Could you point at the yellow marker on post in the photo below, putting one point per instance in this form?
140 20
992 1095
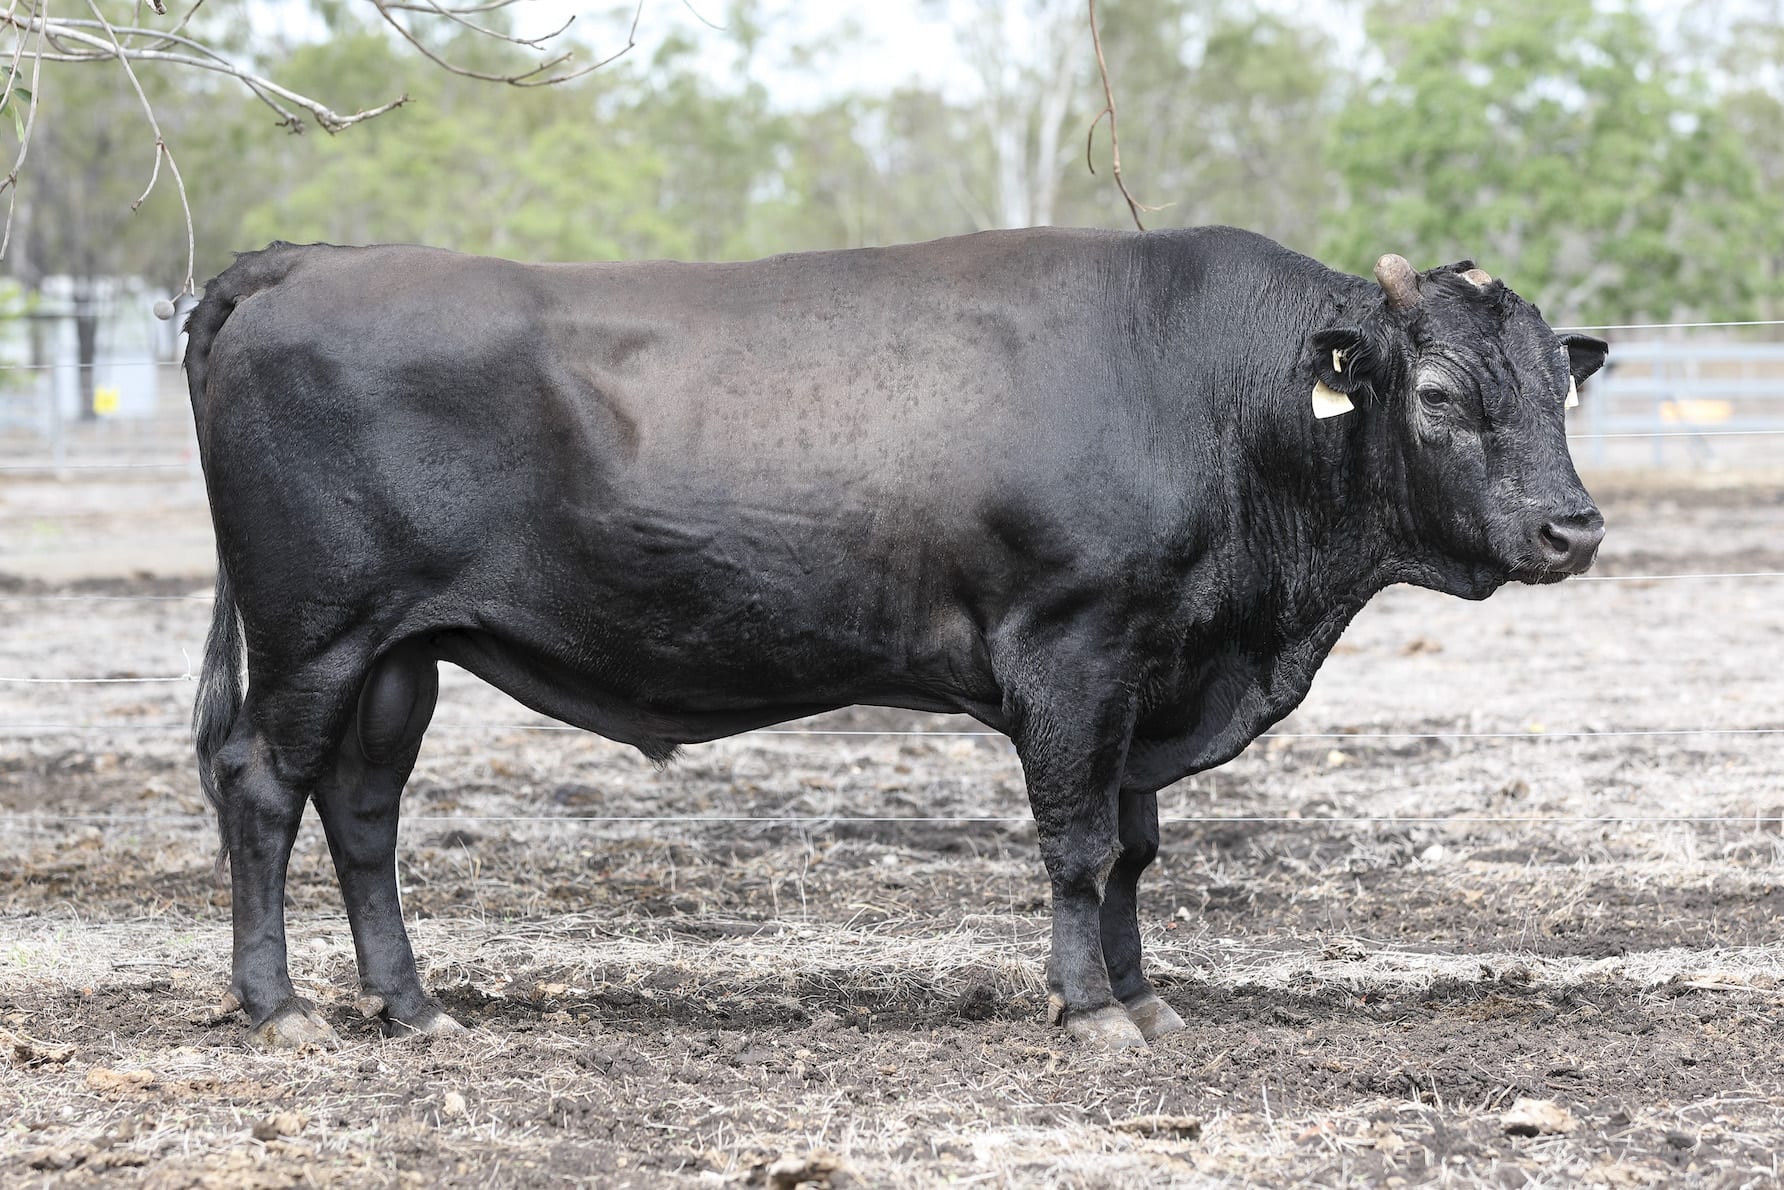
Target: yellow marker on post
106 399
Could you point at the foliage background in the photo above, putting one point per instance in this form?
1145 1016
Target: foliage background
1612 168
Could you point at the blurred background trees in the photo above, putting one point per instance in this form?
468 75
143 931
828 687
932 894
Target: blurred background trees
1615 162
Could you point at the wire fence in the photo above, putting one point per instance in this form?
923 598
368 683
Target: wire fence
207 597
189 464
1763 822
170 725
1686 434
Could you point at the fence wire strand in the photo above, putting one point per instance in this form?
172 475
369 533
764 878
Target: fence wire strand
1670 326
95 681
53 466
893 733
205 597
1757 821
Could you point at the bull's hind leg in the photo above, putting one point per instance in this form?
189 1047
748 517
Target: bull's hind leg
1121 918
359 808
275 754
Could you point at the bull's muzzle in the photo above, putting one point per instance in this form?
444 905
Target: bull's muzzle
1568 544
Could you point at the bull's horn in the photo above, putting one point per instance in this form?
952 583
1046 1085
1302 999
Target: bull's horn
1479 278
1399 279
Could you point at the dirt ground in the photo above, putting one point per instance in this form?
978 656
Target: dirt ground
1381 945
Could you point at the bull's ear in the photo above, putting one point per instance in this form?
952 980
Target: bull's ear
1344 358
1585 355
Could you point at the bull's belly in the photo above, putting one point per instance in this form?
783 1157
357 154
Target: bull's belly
668 654
682 700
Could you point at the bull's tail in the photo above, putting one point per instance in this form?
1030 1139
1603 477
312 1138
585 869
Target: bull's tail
220 687
219 699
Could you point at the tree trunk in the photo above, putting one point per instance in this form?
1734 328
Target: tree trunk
86 339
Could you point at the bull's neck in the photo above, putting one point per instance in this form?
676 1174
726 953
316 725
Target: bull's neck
1308 507
1316 544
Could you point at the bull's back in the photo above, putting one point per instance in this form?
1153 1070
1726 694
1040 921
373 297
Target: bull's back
849 364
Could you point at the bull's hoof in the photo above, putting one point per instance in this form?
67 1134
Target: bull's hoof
294 1025
1106 1028
432 1023
1152 1016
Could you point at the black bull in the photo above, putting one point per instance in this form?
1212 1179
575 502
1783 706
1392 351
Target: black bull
1102 492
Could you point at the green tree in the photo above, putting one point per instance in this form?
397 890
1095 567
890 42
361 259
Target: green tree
76 215
1226 112
652 159
1556 142
1745 55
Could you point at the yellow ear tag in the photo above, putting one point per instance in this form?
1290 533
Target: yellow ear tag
1573 394
1328 401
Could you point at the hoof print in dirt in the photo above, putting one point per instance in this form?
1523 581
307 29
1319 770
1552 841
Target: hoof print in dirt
294 1026
438 1024
28 1051
979 1002
103 1078
1538 1117
1180 1127
818 1169
285 1123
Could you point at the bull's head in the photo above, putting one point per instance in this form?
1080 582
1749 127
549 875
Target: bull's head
1461 388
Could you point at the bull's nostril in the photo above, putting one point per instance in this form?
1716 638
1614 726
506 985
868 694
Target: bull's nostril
1556 541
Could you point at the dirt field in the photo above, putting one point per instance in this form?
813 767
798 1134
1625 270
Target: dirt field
1380 945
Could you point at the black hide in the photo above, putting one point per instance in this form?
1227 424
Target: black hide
1068 483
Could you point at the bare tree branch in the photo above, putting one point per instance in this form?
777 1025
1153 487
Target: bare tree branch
11 182
99 39
75 44
12 76
161 149
543 74
1134 206
457 18
456 9
689 5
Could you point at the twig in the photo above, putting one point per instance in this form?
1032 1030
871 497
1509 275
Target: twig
172 37
457 18
1133 205
161 149
12 74
11 182
543 74
459 9
689 5
180 24
98 49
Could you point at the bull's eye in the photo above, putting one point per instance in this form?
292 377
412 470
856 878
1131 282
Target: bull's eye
1435 399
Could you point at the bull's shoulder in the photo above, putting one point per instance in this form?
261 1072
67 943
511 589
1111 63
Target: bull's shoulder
1223 258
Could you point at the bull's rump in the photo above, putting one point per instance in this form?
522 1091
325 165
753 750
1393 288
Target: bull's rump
809 480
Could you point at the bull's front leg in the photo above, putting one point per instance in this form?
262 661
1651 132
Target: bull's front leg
1072 758
1121 918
